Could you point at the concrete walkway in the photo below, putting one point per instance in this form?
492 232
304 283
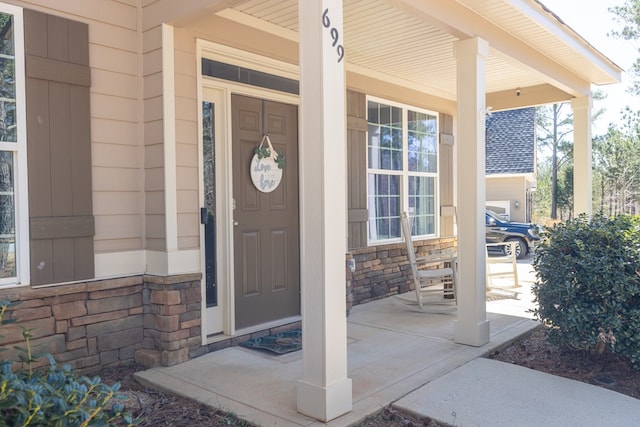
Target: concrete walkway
489 393
401 357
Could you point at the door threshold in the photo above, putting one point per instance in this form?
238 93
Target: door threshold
267 325
214 338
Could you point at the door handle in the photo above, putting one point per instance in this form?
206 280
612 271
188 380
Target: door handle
203 215
235 223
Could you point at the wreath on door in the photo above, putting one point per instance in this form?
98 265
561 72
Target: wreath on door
266 166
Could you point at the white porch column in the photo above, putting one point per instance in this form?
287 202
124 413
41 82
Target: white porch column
472 326
324 391
582 160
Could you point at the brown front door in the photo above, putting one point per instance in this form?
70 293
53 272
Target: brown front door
266 235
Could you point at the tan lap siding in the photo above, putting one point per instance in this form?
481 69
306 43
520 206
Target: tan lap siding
155 229
187 184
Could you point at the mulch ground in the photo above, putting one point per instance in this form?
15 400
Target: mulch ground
608 370
533 351
154 409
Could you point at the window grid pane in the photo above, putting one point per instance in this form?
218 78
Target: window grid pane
422 205
7 216
384 206
422 142
8 131
385 137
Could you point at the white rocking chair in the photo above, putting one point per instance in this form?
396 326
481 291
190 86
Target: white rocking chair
502 270
434 278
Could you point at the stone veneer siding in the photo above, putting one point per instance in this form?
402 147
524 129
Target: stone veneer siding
86 325
152 320
172 320
384 270
90 325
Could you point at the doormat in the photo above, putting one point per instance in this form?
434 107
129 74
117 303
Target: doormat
280 343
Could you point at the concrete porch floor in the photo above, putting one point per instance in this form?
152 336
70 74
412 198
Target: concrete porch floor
392 351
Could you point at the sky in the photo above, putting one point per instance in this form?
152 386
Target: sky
592 20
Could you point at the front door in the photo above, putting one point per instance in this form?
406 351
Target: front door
266 226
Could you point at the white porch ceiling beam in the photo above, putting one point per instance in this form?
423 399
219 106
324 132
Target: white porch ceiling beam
529 96
166 11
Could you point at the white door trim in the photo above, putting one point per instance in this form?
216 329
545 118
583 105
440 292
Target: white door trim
224 168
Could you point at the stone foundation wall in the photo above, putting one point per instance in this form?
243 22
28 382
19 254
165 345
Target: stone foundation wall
172 320
384 270
86 325
149 319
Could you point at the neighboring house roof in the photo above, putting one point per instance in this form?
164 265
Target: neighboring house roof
511 142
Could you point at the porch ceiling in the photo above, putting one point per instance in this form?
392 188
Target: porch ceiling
410 43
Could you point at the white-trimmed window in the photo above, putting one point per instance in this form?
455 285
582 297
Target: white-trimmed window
402 170
13 177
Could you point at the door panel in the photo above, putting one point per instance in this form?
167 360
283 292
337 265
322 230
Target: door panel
251 262
278 259
266 225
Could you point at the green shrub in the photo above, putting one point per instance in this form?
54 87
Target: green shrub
588 283
54 396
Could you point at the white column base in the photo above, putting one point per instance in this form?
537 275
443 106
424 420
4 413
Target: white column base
324 403
469 334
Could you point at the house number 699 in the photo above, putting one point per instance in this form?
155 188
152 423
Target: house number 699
335 36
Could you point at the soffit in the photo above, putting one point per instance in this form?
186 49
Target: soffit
388 39
533 23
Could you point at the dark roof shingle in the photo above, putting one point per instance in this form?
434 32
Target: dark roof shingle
510 142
